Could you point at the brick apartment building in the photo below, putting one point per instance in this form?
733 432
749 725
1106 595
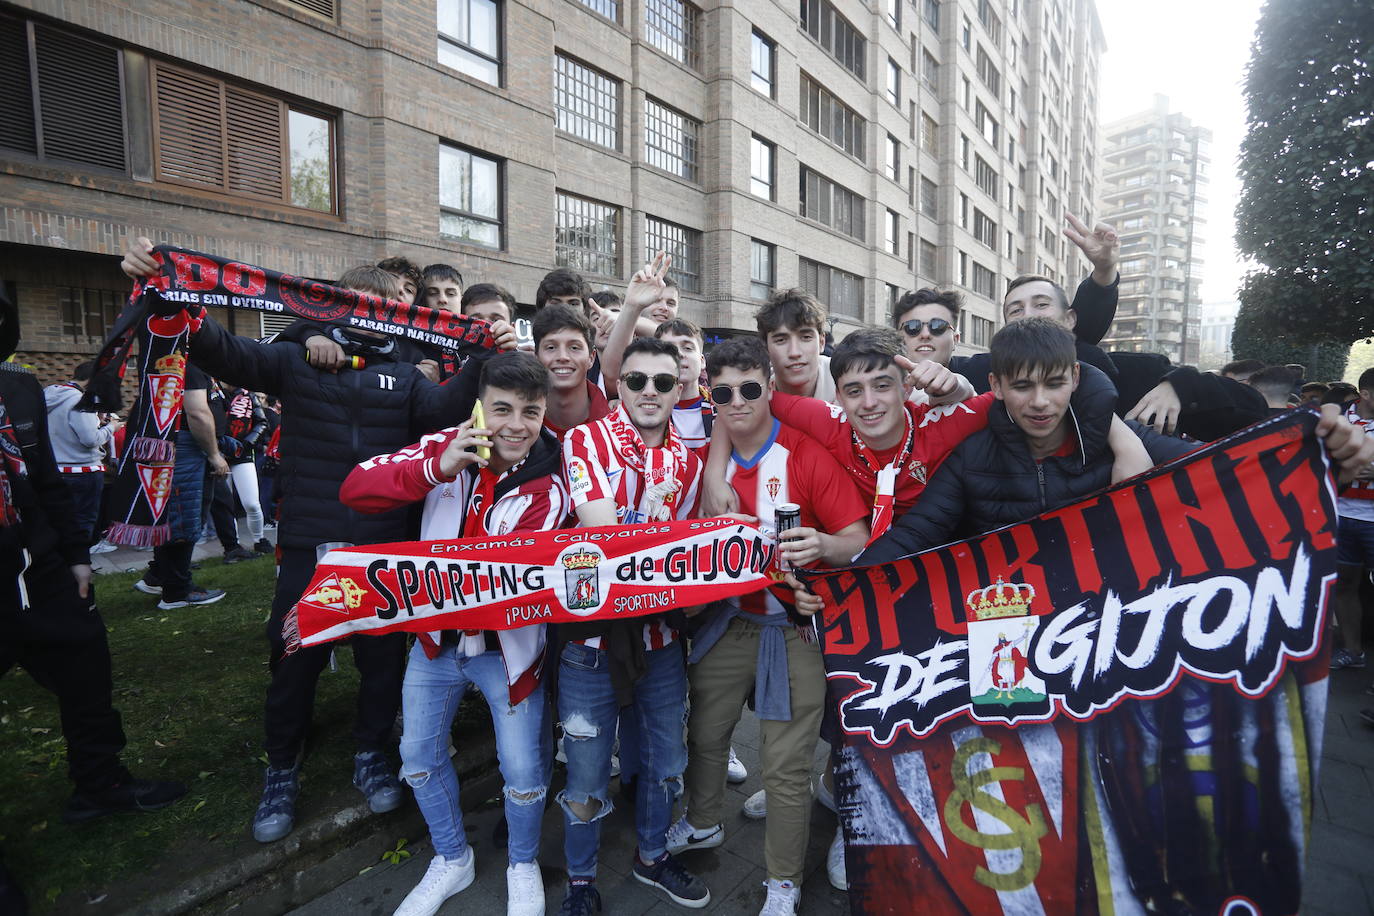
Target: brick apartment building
854 148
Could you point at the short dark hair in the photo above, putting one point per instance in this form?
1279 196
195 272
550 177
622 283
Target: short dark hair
865 350
403 267
928 296
681 327
1032 344
742 353
669 281
84 371
1039 278
1242 367
559 317
1366 380
1315 386
485 292
369 278
1339 393
515 370
607 298
1274 381
440 272
561 281
790 308
651 346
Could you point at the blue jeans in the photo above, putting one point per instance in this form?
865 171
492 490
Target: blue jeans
429 700
588 711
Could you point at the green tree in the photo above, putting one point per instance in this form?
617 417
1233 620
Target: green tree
1262 331
1307 172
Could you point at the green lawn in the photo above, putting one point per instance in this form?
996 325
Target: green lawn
190 685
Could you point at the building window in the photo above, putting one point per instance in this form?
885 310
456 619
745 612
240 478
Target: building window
762 273
964 149
214 135
930 199
831 118
930 134
88 314
894 83
892 12
986 177
984 229
469 197
987 124
682 243
587 236
963 210
891 233
608 8
831 204
892 159
674 27
984 281
979 331
762 54
911 251
833 32
928 258
469 39
670 140
930 11
839 290
761 168
930 70
586 102
988 72
62 97
966 35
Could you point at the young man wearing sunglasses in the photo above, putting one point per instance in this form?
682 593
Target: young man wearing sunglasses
753 644
627 468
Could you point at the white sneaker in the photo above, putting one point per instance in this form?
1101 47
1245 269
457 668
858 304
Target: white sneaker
735 771
834 862
444 878
756 806
782 898
824 796
682 836
104 547
524 890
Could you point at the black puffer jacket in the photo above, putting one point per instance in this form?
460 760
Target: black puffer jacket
991 480
45 540
330 422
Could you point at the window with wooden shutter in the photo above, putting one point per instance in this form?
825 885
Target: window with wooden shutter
239 142
325 9
74 110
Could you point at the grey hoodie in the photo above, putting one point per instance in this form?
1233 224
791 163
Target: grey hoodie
77 437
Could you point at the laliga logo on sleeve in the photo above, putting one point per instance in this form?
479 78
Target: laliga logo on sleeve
581 593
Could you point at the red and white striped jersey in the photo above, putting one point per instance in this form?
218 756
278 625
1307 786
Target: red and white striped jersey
598 465
692 419
792 468
1357 500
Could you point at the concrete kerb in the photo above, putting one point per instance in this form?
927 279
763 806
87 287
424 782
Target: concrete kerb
319 855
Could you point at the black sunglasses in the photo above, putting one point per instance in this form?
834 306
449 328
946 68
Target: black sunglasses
724 394
635 381
937 326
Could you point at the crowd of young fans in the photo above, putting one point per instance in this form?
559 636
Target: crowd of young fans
617 414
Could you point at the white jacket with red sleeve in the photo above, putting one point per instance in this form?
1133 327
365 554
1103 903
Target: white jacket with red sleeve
529 497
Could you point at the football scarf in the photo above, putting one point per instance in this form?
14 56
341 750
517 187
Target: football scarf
11 463
165 310
659 468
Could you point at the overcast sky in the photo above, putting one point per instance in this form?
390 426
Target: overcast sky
1195 52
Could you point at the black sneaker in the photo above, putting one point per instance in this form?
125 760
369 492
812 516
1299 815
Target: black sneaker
582 899
668 875
196 595
239 553
129 795
264 546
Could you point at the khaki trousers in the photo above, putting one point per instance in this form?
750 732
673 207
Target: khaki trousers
720 684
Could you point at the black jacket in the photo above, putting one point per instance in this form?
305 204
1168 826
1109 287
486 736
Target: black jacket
332 421
990 480
45 540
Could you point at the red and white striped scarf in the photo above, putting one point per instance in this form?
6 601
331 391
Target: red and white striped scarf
660 468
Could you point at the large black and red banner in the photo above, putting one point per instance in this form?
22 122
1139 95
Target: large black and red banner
1116 707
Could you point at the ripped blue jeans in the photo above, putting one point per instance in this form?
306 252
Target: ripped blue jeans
587 711
430 696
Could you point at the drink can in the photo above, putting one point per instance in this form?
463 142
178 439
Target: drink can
786 517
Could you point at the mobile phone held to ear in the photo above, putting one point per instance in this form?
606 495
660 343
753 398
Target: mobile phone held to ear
479 421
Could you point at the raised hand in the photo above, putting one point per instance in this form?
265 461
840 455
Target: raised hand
1101 246
504 333
929 376
456 456
647 284
138 260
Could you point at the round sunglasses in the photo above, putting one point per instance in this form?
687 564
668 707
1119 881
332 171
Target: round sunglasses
635 381
724 394
937 326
